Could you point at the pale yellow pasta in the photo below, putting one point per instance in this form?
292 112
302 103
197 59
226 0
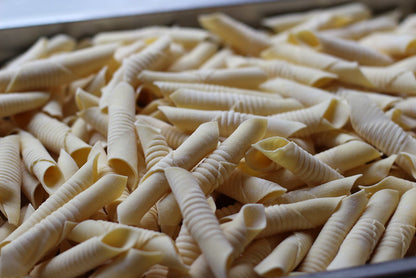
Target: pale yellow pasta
347 71
55 136
282 176
107 90
301 215
392 43
154 185
87 255
95 118
279 68
149 58
35 52
236 34
217 60
21 254
10 178
407 106
286 256
343 48
228 121
187 98
404 121
80 181
302 164
328 115
54 106
55 71
125 51
60 43
32 188
334 188
67 164
98 82
332 138
14 103
204 228
81 129
326 245
187 247
248 189
405 64
85 100
382 100
196 57
121 133
363 237
399 231
390 182
39 162
157 271
249 78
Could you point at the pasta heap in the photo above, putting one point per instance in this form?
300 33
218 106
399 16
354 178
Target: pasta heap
219 152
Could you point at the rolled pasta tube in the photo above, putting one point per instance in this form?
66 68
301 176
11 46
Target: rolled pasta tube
56 136
122 133
217 61
85 100
154 185
80 130
55 71
286 256
334 188
306 95
248 189
328 115
347 71
67 165
10 178
60 43
399 231
149 58
32 188
404 121
348 155
95 118
20 255
346 49
407 106
196 57
39 163
405 64
249 78
239 36
35 52
362 239
217 166
80 181
108 89
390 182
87 255
125 51
382 100
187 98
14 103
302 164
298 216
228 121
330 238
174 136
153 143
205 228
279 68
392 43
333 138
187 247
130 264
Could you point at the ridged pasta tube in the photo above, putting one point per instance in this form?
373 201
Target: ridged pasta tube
394 44
32 188
67 165
85 100
390 182
362 239
217 60
97 119
196 57
14 103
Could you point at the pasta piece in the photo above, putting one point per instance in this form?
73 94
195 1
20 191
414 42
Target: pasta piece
228 121
97 119
153 106
85 100
383 101
80 181
107 90
20 255
217 61
346 49
286 256
55 71
249 78
333 138
407 106
10 178
363 237
81 130
15 103
390 182
280 68
399 232
349 155
405 122
248 189
157 271
226 101
347 71
328 115
187 247
194 58
39 163
149 58
391 43
54 106
55 136
125 51
205 228
154 185
121 133
302 164
330 238
35 52
60 43
98 82
239 36
67 165
32 188
297 216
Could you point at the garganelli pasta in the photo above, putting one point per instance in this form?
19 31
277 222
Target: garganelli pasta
225 151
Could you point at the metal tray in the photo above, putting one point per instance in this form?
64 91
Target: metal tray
16 36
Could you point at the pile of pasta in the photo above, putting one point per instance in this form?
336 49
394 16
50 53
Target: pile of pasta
226 151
